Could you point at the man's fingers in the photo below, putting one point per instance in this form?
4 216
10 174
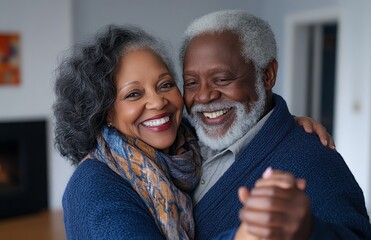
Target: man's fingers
262 232
281 183
243 194
276 178
271 192
267 203
301 184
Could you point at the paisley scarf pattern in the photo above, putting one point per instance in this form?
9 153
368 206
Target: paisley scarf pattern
161 180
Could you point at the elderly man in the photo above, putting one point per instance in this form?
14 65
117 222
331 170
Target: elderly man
229 70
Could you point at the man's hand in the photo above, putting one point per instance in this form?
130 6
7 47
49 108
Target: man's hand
277 207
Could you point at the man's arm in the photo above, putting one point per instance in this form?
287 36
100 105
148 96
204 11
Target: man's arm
278 208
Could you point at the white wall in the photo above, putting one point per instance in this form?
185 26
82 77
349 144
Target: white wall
353 90
353 109
45 30
166 18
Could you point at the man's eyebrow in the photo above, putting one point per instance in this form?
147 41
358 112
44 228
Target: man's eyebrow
211 71
219 70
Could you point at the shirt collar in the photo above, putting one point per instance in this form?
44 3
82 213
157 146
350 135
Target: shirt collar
236 147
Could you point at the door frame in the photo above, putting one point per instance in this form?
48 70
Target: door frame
294 89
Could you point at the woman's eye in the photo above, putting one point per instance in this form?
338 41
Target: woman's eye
132 95
167 85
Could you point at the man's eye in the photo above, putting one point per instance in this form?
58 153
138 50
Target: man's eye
222 81
190 83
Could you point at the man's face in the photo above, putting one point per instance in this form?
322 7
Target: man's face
220 90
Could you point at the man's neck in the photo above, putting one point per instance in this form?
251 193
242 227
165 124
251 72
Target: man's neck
269 105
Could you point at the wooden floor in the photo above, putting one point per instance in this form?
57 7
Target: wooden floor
41 226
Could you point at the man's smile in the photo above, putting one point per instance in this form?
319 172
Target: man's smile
215 114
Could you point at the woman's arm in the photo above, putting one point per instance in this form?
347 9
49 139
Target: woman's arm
99 204
312 126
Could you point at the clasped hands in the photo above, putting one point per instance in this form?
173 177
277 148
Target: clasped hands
276 208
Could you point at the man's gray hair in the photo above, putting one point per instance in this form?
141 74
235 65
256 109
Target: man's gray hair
256 36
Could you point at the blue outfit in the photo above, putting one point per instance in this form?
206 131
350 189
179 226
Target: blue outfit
100 204
141 194
338 206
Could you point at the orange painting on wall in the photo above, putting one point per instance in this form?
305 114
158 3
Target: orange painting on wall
9 59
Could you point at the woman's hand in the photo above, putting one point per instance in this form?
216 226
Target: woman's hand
276 208
243 233
312 126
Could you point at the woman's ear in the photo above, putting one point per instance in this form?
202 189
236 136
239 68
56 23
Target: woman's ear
270 74
109 118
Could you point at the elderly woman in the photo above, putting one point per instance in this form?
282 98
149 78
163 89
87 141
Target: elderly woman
119 118
117 112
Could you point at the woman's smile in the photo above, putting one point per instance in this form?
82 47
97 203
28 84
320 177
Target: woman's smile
159 123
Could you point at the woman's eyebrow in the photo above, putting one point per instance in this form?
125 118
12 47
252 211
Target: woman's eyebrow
164 75
127 84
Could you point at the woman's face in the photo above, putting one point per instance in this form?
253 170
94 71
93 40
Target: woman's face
148 103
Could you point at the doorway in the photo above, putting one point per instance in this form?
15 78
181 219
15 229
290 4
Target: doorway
311 66
320 74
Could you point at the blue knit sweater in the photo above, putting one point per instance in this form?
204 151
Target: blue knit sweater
99 204
338 206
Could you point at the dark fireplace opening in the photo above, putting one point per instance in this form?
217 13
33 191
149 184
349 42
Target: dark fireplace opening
9 167
23 168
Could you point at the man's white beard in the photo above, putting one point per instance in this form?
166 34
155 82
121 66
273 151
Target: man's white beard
244 121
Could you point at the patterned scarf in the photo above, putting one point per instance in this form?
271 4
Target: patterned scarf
160 179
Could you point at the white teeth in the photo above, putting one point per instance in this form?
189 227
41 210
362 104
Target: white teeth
156 122
215 114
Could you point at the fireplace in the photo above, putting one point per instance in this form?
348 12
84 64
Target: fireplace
23 168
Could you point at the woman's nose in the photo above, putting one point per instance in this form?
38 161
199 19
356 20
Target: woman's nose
156 101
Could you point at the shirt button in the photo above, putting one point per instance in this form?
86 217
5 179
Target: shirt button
202 181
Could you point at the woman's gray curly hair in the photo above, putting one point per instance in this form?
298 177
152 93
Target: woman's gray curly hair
256 36
85 86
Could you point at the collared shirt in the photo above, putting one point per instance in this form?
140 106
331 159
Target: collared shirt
218 162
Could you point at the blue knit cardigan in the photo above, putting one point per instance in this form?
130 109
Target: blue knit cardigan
338 206
99 204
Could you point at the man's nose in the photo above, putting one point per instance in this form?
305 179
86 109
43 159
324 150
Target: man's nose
156 101
206 94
